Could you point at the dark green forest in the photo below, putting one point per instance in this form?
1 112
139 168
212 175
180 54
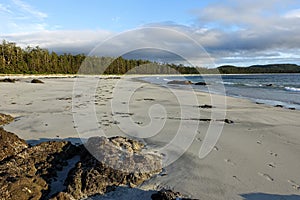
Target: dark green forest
35 60
270 68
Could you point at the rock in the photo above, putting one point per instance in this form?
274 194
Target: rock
206 106
5 119
8 80
106 163
10 144
200 83
127 144
27 174
228 121
167 195
178 82
123 154
22 188
36 81
63 196
149 99
269 85
110 162
279 106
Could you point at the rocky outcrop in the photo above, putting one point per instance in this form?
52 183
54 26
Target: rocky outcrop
200 83
26 172
179 82
63 196
26 175
206 106
110 162
167 195
8 80
36 81
10 144
5 119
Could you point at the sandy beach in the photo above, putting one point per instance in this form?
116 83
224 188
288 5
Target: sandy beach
255 158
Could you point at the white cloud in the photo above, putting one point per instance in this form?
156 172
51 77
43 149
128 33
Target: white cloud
293 14
17 16
28 9
241 48
237 30
61 41
5 9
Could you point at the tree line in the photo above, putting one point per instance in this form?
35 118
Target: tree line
35 60
259 69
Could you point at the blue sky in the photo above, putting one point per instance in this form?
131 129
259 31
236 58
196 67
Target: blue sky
231 31
109 15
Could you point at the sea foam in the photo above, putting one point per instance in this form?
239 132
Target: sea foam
293 89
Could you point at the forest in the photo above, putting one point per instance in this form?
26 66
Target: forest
35 60
258 69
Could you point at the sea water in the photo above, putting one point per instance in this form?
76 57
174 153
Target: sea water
272 89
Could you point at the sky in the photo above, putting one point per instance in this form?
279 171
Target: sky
231 32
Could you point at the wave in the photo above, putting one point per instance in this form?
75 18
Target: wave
250 85
241 84
227 83
293 89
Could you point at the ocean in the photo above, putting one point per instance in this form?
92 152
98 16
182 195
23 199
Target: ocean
271 89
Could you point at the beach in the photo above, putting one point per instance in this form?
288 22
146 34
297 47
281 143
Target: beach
256 155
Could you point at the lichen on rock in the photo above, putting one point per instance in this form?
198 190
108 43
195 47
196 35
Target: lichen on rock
108 163
5 119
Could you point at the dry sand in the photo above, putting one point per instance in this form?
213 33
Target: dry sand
256 157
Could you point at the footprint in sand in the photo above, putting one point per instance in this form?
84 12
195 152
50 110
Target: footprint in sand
294 184
273 154
258 142
229 161
272 165
236 178
198 139
266 176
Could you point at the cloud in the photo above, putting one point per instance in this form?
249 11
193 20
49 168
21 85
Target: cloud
293 14
28 9
155 43
61 41
5 9
17 16
242 14
182 44
238 30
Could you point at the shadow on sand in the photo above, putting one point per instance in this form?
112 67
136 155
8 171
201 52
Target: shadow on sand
264 196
